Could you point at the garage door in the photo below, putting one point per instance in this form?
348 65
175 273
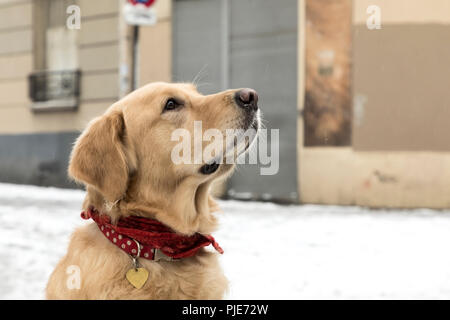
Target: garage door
246 43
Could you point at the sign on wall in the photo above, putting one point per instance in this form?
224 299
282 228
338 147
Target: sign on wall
140 12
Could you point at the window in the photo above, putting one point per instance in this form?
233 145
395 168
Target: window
55 83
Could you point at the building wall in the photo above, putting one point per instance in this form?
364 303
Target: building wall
98 50
16 58
399 155
155 46
401 75
35 146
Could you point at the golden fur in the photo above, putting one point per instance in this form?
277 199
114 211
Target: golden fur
123 158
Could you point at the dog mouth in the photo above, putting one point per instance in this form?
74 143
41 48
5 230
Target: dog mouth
244 128
253 126
256 122
246 135
235 145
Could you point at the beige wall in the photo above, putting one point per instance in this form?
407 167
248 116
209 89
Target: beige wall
103 45
155 47
404 11
15 56
401 88
387 178
400 76
98 57
376 179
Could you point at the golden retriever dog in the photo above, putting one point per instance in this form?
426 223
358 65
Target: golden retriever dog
124 158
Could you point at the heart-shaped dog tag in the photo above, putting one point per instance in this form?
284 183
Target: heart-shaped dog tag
137 277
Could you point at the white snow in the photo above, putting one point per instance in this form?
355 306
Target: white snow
271 251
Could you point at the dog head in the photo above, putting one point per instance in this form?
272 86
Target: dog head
158 149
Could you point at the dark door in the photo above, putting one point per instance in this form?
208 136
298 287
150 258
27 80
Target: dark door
246 43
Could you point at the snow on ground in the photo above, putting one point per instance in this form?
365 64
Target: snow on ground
271 251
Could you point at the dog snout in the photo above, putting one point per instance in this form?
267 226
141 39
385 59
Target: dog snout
247 99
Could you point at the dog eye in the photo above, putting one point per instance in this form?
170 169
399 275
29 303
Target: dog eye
209 168
171 104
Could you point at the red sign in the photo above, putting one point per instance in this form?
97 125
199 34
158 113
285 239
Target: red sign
146 3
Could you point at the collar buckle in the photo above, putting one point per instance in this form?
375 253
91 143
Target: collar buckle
158 255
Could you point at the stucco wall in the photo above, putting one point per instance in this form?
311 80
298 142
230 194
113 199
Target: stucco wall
400 157
98 56
34 147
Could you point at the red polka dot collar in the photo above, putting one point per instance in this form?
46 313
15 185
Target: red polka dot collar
156 240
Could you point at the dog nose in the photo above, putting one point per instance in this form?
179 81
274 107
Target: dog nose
247 99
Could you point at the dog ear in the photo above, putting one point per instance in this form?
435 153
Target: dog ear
99 159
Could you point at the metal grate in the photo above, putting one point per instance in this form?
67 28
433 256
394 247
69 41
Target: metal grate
51 86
